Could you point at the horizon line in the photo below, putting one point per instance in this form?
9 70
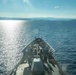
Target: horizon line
38 17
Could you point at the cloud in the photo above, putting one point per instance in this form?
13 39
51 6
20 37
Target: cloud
56 7
28 2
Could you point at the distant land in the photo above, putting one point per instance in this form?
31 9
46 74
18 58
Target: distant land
39 18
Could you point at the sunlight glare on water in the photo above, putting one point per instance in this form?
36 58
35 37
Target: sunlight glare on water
10 25
9 41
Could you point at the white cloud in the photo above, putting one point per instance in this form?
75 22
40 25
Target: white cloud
56 7
28 2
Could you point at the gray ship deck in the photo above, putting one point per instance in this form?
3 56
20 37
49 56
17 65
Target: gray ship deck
22 68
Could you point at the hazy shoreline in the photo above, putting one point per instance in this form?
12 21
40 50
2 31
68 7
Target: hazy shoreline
40 18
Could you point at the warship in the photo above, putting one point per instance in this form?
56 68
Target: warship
38 59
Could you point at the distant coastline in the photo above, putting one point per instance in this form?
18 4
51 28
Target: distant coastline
39 18
8 18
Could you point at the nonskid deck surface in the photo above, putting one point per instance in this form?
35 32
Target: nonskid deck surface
38 49
24 69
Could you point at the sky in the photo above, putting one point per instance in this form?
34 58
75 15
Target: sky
38 8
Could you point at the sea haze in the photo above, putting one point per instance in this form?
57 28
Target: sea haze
15 35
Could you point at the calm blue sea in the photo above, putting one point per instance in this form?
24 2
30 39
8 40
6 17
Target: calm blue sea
16 34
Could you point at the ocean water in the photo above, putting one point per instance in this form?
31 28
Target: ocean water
16 34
